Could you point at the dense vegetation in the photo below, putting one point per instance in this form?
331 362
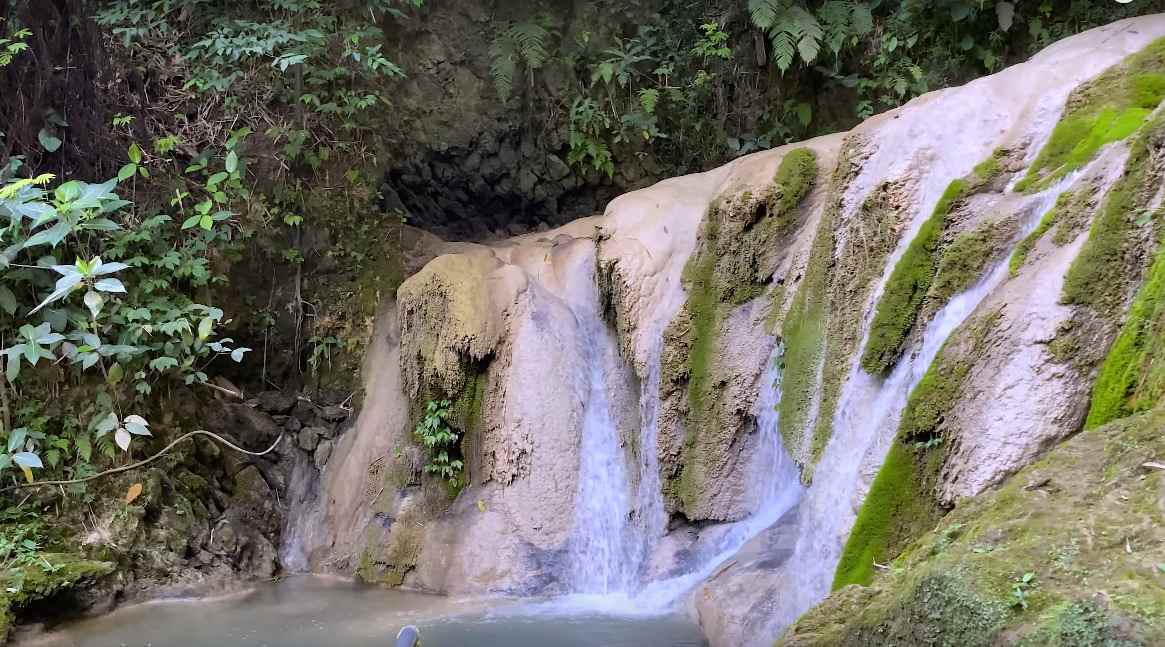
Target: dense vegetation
168 166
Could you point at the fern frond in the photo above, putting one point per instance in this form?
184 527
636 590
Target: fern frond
784 50
766 14
530 38
808 33
648 98
503 65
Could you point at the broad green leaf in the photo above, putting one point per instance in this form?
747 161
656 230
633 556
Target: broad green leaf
206 222
205 327
216 178
94 301
191 221
126 172
116 373
106 424
51 236
232 162
109 268
163 363
48 141
135 153
27 459
109 285
16 439
122 438
8 300
65 284
1005 12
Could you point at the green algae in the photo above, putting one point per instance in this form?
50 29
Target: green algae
1132 377
1107 109
901 505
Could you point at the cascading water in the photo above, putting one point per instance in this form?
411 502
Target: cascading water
864 427
603 554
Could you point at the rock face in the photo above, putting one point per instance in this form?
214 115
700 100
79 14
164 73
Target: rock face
940 288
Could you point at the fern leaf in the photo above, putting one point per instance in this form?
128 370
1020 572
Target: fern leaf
648 98
784 50
766 14
502 66
809 36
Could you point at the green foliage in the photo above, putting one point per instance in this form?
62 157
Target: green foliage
1019 589
1132 378
92 286
311 53
13 45
521 42
1104 110
434 432
796 32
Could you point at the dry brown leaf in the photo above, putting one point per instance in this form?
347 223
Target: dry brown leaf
133 493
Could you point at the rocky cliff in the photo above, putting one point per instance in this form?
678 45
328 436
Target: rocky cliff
936 293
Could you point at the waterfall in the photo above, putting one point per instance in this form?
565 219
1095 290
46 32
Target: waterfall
865 424
603 553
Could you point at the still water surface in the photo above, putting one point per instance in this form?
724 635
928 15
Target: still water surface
310 611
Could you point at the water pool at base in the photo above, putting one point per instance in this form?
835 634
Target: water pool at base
309 611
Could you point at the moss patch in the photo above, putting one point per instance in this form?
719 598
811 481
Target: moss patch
804 327
22 586
1132 377
1100 274
731 265
901 504
967 256
871 234
1084 520
910 282
1107 109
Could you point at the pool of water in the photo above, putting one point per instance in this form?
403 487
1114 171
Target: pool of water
310 611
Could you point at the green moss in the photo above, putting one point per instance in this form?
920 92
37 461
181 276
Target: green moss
803 334
900 505
1100 274
23 585
965 258
792 182
731 265
1104 110
1080 520
1132 377
908 285
893 499
1025 246
1081 623
872 234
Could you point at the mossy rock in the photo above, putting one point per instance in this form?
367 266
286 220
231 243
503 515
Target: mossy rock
24 585
1066 552
909 287
733 264
1109 108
